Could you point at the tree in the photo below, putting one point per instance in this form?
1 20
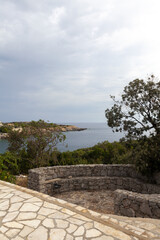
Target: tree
146 156
138 111
138 115
34 144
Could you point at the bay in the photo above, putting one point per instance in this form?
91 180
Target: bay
95 133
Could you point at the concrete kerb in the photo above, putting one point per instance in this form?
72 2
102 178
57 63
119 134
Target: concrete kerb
107 220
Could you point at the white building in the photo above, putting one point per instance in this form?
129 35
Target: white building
1 124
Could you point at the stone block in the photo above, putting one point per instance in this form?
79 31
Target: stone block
145 209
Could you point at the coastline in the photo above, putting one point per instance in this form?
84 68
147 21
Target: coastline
3 135
95 133
68 128
60 128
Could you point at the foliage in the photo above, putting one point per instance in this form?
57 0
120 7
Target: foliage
102 153
5 129
34 144
146 156
138 112
25 148
8 167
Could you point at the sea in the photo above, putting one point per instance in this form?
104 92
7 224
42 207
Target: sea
95 133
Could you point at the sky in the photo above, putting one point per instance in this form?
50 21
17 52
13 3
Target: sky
60 60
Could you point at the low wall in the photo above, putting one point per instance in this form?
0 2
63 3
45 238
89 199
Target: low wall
57 179
133 204
40 178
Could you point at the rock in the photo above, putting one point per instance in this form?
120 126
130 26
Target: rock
157 177
145 209
3 135
126 202
128 212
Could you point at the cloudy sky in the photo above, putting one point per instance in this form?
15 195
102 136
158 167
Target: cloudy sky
60 60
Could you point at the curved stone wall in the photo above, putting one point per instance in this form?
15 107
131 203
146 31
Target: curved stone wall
57 179
133 204
40 178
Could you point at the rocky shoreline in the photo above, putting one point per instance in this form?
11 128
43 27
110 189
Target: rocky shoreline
3 135
60 128
68 128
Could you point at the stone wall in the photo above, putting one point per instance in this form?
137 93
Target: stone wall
40 178
57 179
133 204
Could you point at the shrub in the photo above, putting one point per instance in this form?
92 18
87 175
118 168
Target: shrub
146 156
8 167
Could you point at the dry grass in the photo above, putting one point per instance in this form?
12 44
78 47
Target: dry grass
22 181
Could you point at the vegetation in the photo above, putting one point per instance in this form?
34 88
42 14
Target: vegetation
138 114
34 144
102 153
8 167
5 129
8 127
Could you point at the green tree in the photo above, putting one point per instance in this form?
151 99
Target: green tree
34 144
146 156
138 111
138 115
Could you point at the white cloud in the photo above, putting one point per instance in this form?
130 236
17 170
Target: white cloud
56 15
74 53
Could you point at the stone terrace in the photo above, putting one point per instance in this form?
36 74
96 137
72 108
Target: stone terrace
30 215
140 200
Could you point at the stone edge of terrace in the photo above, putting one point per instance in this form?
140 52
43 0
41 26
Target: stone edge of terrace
106 219
129 203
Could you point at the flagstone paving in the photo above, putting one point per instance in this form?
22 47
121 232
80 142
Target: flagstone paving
27 214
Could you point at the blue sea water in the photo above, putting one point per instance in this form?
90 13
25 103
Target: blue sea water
95 133
3 145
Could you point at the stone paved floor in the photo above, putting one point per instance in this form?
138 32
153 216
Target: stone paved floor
26 214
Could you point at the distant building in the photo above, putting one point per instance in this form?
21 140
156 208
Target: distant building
1 124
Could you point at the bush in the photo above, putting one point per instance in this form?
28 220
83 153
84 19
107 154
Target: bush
5 129
8 167
106 153
146 156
